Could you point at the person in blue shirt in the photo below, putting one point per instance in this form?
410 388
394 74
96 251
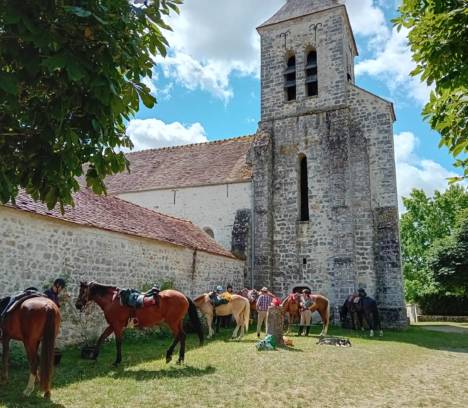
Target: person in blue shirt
53 292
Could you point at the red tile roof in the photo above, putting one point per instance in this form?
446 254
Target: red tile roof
218 162
113 214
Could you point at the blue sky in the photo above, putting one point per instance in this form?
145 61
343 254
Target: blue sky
208 87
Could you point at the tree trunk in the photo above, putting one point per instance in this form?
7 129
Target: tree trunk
275 324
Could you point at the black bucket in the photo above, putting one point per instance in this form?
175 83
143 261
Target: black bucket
87 352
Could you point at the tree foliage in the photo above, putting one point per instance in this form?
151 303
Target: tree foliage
438 36
448 259
427 220
70 77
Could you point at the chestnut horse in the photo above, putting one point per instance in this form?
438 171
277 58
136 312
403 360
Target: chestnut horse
290 306
251 295
36 320
238 306
172 308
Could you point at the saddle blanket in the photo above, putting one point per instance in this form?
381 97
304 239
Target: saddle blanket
9 304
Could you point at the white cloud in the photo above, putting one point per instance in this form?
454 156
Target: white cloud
414 172
368 20
392 66
154 133
212 40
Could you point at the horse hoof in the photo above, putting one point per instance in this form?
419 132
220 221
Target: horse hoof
168 360
116 363
47 396
27 392
180 362
381 333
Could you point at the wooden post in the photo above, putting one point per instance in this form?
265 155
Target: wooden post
275 324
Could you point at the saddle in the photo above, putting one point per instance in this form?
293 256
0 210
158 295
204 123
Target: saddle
11 303
217 300
135 299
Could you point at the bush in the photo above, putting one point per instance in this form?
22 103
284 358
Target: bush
441 305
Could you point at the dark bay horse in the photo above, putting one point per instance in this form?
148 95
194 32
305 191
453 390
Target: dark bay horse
361 308
290 306
172 308
36 320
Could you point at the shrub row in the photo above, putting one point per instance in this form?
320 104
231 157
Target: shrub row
437 304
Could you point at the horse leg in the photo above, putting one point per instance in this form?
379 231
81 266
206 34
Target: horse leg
5 357
209 321
118 345
171 348
234 333
31 352
105 334
182 338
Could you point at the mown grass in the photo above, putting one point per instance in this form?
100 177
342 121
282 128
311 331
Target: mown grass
413 368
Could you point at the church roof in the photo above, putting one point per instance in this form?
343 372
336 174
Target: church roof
113 214
298 8
218 162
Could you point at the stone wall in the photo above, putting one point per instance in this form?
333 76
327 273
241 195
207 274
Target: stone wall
211 207
34 250
352 238
297 37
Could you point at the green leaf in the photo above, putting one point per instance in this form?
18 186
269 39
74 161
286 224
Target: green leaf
9 83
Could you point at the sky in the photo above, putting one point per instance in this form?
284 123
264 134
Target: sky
208 87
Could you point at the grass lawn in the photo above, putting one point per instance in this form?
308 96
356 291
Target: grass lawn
414 368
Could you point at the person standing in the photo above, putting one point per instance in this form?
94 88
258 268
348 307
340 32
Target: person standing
306 314
263 303
53 292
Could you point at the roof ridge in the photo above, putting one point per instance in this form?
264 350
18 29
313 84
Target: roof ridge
192 144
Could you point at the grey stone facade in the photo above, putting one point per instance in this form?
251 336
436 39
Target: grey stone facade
36 249
352 237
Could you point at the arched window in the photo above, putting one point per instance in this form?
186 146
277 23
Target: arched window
290 79
209 231
303 189
311 74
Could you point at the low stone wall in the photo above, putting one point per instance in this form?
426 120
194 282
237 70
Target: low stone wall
34 250
428 318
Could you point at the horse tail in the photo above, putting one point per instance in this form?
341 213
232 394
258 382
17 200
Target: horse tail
247 315
195 320
47 349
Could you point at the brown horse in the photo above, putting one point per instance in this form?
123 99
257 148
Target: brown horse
251 295
36 320
290 306
171 310
238 306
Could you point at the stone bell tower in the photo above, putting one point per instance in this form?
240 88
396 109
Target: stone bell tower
325 200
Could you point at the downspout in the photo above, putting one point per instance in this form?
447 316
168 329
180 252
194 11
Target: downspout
194 269
252 235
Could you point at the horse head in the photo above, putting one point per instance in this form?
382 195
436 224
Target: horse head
84 296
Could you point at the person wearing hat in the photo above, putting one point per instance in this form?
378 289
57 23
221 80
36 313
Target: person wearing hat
263 303
53 292
306 314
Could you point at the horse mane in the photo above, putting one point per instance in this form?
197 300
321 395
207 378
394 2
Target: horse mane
199 297
100 289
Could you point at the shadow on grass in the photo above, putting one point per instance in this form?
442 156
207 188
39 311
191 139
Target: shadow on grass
417 336
170 372
136 350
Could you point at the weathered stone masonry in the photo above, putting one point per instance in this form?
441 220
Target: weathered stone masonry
351 239
36 249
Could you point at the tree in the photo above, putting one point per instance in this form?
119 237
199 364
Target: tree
427 220
448 259
70 77
438 36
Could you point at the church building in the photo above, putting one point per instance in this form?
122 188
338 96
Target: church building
310 200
